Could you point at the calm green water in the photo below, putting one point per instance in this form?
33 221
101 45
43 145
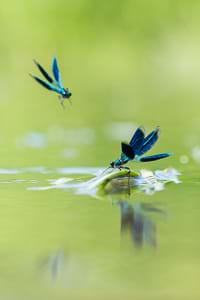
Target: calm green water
127 63
57 244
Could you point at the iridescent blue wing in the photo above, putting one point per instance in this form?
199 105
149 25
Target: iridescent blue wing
44 73
47 85
127 150
155 157
56 72
137 140
149 141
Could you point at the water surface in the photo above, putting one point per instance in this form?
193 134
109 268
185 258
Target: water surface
56 243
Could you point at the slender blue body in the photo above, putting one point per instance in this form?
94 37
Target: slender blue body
139 145
53 84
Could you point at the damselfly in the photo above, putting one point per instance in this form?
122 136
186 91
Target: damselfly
137 147
53 84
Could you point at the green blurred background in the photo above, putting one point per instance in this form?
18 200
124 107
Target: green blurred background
127 63
132 62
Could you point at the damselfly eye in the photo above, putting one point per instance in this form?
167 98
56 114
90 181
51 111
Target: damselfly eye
112 164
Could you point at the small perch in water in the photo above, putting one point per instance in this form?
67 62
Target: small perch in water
105 182
121 181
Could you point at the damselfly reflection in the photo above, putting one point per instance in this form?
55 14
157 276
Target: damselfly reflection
54 264
53 84
137 220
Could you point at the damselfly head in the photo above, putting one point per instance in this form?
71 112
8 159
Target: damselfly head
112 164
66 93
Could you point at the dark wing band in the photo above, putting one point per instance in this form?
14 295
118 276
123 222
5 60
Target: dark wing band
149 141
137 140
44 73
127 150
46 84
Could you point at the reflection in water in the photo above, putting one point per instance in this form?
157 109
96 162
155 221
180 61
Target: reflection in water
136 220
54 264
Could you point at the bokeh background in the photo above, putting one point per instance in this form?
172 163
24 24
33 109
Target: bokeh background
127 63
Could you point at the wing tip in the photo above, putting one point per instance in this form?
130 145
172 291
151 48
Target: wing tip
170 154
141 127
55 59
35 62
157 130
31 75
